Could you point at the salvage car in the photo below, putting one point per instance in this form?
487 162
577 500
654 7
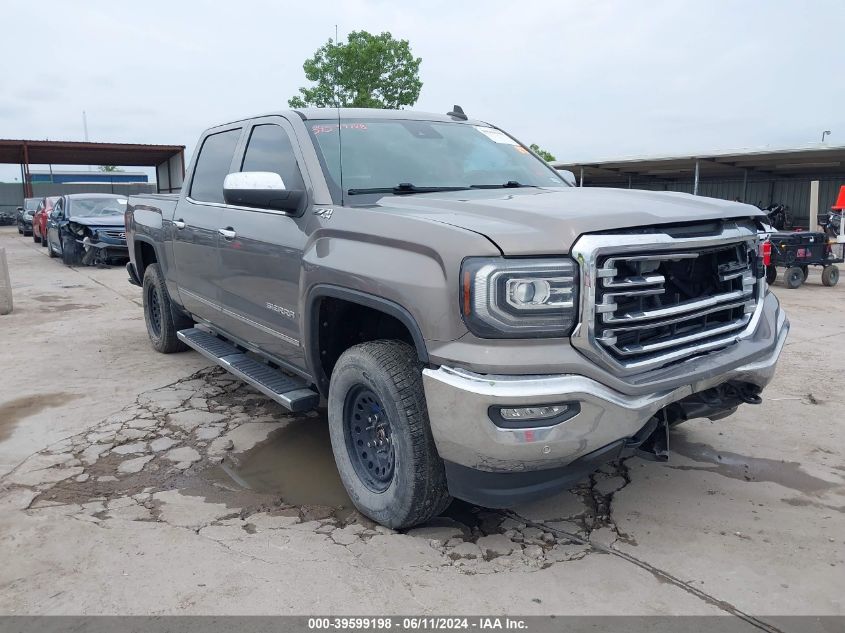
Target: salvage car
39 220
25 215
88 229
479 328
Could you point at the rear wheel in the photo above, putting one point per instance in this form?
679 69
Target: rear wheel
806 270
162 318
771 273
830 275
381 437
793 277
36 238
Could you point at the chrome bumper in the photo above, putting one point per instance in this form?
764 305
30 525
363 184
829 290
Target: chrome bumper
459 400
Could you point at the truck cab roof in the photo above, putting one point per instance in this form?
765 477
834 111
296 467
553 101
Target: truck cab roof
307 114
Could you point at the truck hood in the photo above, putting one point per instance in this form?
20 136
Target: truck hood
548 221
100 220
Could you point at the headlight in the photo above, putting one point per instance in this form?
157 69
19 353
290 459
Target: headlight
519 298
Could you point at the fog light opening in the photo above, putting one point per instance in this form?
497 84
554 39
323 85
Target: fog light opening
533 416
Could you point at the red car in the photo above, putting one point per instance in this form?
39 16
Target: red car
39 220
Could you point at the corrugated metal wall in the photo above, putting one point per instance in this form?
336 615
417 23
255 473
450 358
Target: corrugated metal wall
793 192
11 194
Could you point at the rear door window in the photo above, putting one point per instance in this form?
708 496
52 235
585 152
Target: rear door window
213 165
270 149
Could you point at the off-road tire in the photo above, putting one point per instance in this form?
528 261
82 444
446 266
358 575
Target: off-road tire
162 318
793 277
830 275
771 274
71 252
392 372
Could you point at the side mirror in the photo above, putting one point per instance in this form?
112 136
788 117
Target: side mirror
262 190
568 176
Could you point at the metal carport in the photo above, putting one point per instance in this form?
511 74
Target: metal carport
169 160
806 179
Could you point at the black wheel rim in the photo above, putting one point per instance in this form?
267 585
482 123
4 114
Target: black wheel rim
154 309
369 438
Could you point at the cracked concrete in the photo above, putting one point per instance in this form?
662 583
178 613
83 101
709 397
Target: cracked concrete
190 493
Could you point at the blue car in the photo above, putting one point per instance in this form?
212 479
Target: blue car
88 229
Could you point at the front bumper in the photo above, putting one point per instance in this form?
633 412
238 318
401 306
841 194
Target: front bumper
466 438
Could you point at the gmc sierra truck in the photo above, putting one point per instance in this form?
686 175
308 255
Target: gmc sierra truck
478 327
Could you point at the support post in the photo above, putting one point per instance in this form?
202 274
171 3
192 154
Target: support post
27 185
814 205
695 182
630 181
5 285
581 183
744 184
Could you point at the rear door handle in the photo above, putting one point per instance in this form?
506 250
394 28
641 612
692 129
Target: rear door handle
179 224
227 233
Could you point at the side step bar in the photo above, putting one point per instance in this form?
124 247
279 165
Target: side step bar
290 392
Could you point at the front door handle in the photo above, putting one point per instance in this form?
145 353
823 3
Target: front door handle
179 224
227 233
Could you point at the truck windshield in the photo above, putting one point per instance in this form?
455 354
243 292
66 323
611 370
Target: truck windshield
96 207
384 156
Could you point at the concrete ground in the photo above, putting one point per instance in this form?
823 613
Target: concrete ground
139 483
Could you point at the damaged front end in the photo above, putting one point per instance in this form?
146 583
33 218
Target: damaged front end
652 441
95 246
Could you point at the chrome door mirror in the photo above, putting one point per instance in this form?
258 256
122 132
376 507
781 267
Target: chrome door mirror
568 176
262 190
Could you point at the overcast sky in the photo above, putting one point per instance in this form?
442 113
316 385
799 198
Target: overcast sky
584 79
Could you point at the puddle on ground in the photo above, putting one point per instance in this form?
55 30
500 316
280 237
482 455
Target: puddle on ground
735 466
15 410
70 307
295 463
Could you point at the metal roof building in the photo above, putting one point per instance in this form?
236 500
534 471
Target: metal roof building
169 160
805 179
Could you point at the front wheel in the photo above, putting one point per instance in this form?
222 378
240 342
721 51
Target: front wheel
71 252
50 252
380 434
793 277
771 274
162 319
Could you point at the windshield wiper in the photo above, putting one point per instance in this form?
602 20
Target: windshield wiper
510 184
404 188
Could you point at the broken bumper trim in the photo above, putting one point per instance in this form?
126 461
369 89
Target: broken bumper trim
458 403
504 490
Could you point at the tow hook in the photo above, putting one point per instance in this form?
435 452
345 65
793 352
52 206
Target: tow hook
656 446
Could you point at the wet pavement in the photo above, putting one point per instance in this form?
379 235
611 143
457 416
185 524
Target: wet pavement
155 484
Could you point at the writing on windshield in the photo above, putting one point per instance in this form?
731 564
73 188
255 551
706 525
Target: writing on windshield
381 154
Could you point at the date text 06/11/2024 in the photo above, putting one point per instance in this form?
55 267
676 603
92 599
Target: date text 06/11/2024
430 623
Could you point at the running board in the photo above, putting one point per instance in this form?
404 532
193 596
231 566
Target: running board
292 393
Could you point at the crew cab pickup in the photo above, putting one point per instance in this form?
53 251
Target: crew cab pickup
478 327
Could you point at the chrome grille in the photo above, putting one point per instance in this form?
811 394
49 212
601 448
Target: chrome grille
650 305
115 235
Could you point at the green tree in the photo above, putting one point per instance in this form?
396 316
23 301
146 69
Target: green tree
546 156
367 71
109 168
